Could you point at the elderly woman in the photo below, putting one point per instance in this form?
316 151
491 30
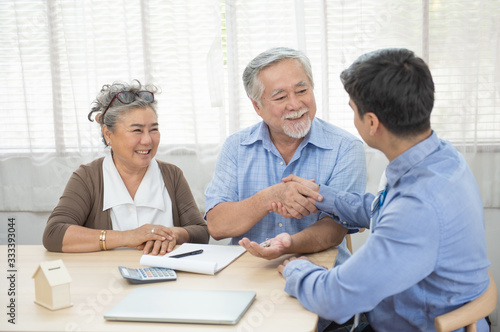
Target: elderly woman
127 198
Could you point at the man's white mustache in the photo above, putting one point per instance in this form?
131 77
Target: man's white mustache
295 115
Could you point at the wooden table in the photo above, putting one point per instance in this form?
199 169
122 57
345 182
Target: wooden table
97 285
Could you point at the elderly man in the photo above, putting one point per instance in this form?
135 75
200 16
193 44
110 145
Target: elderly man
289 140
426 253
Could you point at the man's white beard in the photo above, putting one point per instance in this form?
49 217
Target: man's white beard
299 129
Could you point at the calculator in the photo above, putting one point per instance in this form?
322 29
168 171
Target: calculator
147 274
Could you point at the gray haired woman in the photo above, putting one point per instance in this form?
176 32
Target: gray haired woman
127 198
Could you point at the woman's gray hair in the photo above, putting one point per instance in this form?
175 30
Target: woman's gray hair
117 109
253 86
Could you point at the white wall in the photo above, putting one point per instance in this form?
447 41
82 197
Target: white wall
492 217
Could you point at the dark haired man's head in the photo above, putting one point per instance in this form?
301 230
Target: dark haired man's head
396 86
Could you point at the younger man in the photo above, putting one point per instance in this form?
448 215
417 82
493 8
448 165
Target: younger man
426 254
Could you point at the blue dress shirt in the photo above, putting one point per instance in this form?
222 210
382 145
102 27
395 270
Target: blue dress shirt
249 162
425 257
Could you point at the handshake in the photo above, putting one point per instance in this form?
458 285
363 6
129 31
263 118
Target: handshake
295 197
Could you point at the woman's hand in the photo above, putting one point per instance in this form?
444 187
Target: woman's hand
175 236
145 233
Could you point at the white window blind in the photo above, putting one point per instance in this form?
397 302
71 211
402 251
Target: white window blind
464 54
56 55
460 40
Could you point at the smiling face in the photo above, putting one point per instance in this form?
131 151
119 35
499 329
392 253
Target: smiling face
135 139
287 103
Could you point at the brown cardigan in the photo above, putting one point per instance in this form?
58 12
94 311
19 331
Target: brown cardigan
82 201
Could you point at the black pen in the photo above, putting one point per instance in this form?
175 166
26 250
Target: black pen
191 253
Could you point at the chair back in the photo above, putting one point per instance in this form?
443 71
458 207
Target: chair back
468 314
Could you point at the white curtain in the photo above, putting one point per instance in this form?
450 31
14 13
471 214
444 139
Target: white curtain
55 56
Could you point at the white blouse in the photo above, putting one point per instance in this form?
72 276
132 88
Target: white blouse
151 205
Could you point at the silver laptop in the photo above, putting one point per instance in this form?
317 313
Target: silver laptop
147 304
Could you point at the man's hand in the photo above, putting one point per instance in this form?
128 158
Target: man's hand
270 249
308 189
311 184
298 199
282 266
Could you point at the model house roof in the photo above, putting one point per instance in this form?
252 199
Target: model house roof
55 272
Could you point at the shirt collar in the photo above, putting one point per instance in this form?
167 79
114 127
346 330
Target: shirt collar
404 162
149 193
316 136
151 190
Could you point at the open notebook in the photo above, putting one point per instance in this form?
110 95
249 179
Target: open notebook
182 306
213 259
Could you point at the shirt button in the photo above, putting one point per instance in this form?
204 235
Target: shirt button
344 222
281 163
280 225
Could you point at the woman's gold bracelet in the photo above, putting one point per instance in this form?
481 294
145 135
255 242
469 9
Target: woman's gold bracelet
102 240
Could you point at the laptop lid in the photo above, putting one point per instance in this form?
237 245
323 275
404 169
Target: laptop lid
147 304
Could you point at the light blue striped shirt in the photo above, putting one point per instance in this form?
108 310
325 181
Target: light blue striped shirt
249 162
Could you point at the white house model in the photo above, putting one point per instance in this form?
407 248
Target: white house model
52 282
